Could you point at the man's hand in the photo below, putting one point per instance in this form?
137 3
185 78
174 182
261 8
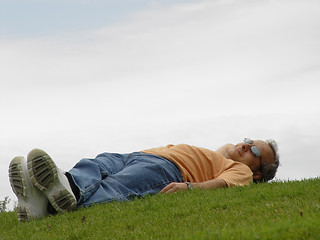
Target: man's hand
174 187
179 186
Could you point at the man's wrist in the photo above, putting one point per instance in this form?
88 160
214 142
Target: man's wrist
189 185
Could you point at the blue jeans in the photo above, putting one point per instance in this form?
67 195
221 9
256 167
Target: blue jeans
121 177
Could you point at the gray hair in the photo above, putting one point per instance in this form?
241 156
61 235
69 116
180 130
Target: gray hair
269 170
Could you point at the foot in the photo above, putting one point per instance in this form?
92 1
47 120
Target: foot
49 179
32 203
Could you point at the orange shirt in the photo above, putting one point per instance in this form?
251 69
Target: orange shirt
201 164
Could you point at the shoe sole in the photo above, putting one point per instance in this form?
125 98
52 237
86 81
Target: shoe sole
24 214
43 171
19 186
44 175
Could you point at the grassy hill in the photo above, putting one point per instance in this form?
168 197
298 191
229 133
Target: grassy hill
279 210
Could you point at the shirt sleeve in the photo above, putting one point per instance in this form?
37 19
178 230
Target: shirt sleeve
237 175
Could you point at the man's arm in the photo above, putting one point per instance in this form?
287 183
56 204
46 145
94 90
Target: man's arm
210 184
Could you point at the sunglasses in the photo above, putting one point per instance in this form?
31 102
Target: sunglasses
254 149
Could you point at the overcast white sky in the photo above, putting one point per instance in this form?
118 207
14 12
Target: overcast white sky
82 77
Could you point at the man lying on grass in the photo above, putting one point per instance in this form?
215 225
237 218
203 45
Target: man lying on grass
43 189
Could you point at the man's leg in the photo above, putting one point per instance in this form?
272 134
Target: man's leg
86 176
139 175
45 181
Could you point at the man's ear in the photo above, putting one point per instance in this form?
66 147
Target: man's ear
257 175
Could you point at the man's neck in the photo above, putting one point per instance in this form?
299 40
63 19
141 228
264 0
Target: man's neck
224 150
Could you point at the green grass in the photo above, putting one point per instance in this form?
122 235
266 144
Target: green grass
279 210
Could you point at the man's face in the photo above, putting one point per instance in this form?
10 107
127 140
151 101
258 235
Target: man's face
243 153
